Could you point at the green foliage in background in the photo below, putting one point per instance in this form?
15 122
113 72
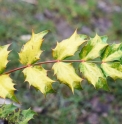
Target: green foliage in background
14 115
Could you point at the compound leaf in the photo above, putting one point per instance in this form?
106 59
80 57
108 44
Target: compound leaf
113 52
93 48
37 77
112 69
3 56
31 52
67 75
68 46
94 75
6 86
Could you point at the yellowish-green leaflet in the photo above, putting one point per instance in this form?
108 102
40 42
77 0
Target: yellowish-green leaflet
30 53
112 69
37 77
68 46
67 75
113 52
93 48
6 86
3 57
94 75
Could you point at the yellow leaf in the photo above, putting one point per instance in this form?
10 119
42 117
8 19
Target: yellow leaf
93 48
67 75
6 86
3 57
94 75
31 52
68 46
37 77
112 52
112 69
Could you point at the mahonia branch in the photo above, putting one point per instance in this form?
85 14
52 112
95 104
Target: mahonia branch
96 72
46 62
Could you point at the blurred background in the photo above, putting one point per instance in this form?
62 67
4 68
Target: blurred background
62 17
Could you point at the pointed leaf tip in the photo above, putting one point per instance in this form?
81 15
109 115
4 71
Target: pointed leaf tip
112 52
94 75
93 48
30 53
102 84
39 79
66 74
68 47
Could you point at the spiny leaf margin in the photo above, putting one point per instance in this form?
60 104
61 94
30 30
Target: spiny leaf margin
68 47
93 48
37 77
67 75
6 86
94 75
30 53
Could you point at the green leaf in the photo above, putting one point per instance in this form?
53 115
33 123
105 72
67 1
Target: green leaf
68 46
6 86
3 56
67 75
31 52
37 77
26 116
93 48
112 69
14 115
5 110
113 52
94 75
104 38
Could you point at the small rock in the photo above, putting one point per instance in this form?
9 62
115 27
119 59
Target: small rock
7 101
25 37
38 109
